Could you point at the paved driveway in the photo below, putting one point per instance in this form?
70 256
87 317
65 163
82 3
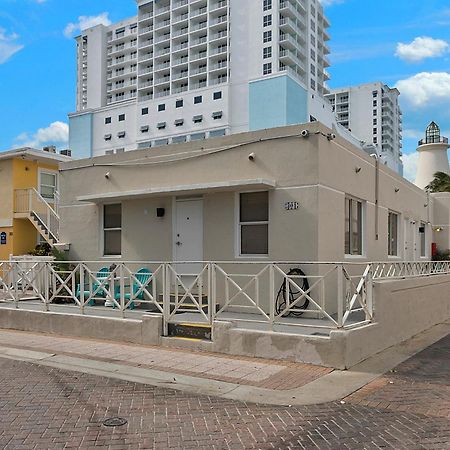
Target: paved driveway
47 408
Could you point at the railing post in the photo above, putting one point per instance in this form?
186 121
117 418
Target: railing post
166 299
210 314
369 294
340 295
30 200
82 298
46 285
122 290
271 296
16 284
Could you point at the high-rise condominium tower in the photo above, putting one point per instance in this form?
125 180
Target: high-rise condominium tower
372 113
191 69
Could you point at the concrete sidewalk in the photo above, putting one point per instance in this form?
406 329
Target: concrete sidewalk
239 378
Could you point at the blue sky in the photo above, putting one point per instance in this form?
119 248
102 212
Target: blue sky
402 43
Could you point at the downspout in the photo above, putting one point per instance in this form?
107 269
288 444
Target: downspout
377 190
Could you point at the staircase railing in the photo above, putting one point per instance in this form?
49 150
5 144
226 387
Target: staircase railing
30 201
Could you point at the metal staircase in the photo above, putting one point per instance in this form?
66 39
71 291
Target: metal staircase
30 204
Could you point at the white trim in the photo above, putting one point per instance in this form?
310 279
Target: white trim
41 171
238 226
189 189
102 230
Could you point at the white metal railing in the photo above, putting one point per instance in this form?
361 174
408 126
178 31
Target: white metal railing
30 202
319 295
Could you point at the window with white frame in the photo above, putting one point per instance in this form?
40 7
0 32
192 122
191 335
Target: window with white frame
423 239
112 229
48 184
267 36
267 4
267 69
353 226
254 223
392 234
267 52
267 20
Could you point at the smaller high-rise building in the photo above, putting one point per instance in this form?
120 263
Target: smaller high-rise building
372 113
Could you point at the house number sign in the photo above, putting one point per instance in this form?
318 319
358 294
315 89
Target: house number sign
291 206
2 238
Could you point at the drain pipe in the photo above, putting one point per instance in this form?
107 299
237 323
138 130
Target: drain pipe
377 190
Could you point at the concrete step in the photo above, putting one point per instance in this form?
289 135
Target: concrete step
192 331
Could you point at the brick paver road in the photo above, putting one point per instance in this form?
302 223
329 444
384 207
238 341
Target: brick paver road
45 408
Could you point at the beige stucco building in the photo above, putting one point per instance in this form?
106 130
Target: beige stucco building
293 193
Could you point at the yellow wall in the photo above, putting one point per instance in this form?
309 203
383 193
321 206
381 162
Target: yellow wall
25 173
18 173
6 250
25 237
6 192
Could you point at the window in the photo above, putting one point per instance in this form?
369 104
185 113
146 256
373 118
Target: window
217 95
198 136
423 239
179 139
48 184
145 128
121 134
217 133
374 121
267 52
374 103
198 99
161 107
197 119
179 122
107 120
179 104
353 227
267 36
374 112
393 234
144 111
112 230
267 20
161 125
267 69
267 4
374 94
254 223
108 137
217 115
375 131
121 117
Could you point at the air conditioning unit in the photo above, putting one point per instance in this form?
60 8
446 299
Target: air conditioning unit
66 152
49 149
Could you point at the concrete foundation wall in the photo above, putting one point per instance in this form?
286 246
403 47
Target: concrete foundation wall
404 308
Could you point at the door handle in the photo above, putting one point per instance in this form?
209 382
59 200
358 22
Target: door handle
178 243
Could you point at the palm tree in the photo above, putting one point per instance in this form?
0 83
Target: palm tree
441 183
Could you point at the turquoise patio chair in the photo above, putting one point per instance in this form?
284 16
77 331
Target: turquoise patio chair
99 292
142 275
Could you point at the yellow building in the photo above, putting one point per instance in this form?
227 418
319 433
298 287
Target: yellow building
28 189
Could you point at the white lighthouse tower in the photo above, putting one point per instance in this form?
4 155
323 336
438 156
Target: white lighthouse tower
432 156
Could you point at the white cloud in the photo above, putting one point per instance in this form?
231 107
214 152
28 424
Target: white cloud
410 161
421 48
425 88
330 2
8 45
85 22
413 134
55 133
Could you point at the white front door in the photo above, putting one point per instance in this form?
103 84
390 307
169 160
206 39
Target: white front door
410 243
188 238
